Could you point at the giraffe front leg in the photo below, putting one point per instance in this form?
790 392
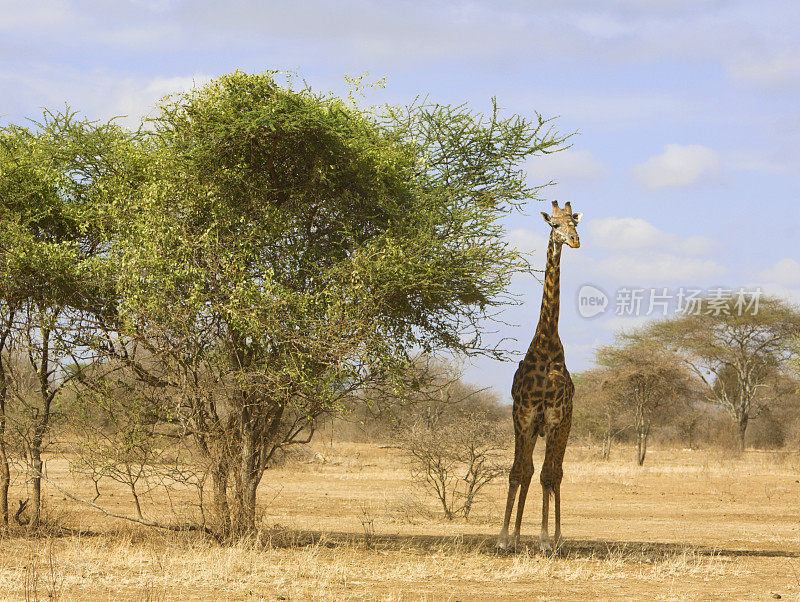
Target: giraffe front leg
551 475
526 467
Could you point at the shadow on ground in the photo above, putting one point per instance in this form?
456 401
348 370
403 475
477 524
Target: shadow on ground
575 548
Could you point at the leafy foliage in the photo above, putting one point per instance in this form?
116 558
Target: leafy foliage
285 249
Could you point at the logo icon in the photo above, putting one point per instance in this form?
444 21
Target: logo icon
592 301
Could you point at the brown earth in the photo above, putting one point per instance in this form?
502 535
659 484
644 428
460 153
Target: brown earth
348 524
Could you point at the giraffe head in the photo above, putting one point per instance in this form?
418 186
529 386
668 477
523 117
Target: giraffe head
563 223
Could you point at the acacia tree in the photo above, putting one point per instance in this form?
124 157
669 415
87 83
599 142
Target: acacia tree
737 354
602 412
51 277
289 248
648 382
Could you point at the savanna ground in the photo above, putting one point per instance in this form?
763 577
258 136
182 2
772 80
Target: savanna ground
344 522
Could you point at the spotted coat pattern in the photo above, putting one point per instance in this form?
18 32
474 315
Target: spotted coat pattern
542 391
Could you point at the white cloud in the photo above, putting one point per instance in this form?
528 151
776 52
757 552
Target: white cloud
99 95
41 14
602 26
624 233
764 165
658 268
630 233
777 70
566 165
627 252
617 323
678 166
599 108
135 99
785 272
696 245
528 241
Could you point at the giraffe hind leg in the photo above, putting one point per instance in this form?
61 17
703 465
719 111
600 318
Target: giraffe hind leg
523 494
544 537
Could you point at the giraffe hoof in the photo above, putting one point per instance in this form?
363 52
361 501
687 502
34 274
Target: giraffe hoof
507 543
546 547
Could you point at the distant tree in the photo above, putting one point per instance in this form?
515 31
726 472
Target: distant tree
777 417
648 382
600 411
689 419
737 354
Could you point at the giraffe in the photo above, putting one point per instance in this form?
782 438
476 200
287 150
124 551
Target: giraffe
542 392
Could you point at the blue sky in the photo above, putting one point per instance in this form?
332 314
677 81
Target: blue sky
687 166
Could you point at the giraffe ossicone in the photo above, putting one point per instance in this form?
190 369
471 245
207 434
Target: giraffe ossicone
542 391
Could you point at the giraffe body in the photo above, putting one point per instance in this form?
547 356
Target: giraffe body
542 391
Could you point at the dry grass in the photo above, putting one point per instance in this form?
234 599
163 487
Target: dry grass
347 525
127 566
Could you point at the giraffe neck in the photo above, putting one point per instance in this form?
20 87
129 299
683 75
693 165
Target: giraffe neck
548 317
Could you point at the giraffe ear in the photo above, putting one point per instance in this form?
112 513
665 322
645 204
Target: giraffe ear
576 217
546 217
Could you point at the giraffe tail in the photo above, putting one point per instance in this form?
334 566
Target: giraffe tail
548 487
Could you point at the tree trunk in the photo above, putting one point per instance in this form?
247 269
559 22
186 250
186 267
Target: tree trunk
249 487
249 473
37 466
5 482
607 439
244 514
222 511
742 430
40 424
641 448
642 424
5 472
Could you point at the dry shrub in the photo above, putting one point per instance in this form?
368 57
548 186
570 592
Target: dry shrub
409 509
456 456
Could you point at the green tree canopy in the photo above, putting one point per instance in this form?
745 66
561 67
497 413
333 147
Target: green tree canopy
644 381
53 273
286 247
